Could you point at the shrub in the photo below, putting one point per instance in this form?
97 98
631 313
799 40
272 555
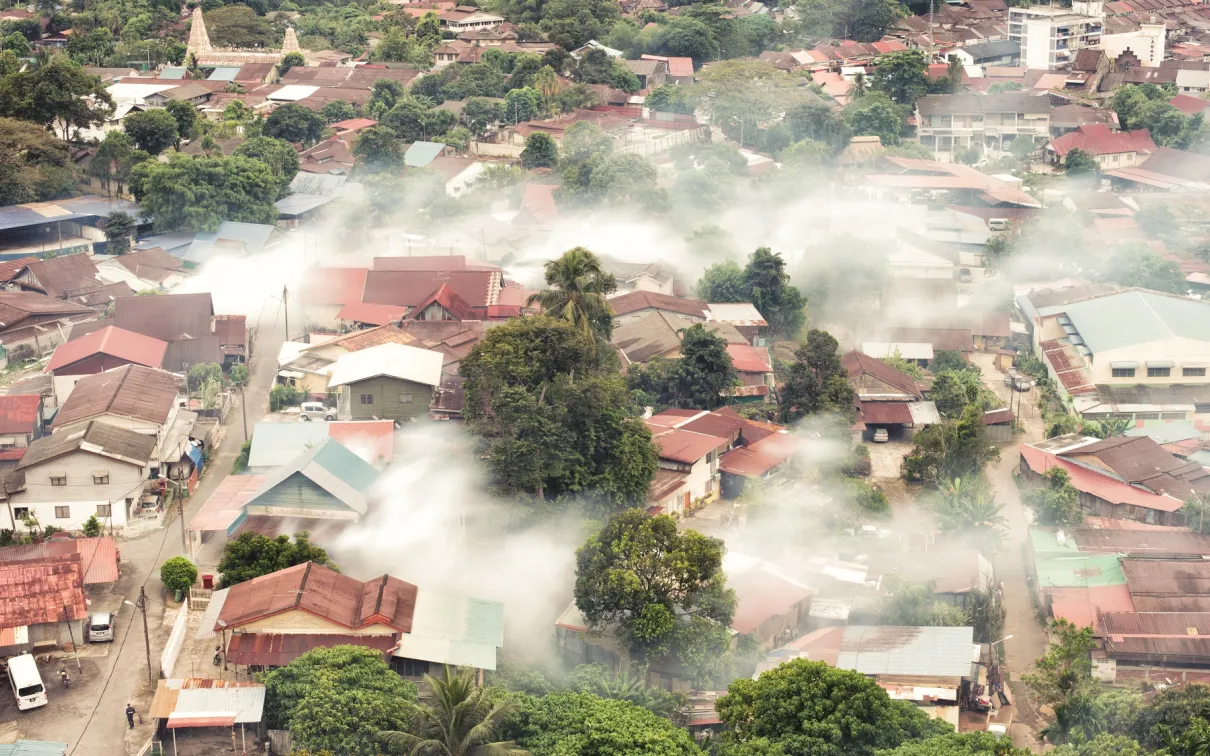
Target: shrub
283 396
92 527
178 573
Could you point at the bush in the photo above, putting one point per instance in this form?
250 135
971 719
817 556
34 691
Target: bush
177 574
283 396
49 531
241 460
92 527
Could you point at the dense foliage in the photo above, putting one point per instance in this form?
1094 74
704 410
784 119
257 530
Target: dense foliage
252 555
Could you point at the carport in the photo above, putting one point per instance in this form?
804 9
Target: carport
195 703
895 417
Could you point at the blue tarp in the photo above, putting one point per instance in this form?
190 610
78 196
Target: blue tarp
195 453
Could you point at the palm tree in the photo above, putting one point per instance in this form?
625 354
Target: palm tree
858 87
547 82
578 286
970 510
460 721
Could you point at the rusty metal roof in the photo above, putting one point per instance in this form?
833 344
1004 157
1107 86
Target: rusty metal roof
34 593
99 555
167 317
130 391
57 276
325 593
279 649
19 413
111 340
1140 460
1166 541
96 438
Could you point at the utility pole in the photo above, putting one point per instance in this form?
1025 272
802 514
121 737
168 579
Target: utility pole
285 305
142 604
243 408
70 634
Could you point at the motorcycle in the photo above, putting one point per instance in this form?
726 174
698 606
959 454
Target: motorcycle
218 655
65 678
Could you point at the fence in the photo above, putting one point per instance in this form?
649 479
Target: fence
662 143
176 640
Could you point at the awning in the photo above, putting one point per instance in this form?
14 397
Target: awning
215 719
1116 364
1160 364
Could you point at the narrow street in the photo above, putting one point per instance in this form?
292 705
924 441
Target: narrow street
1029 637
124 670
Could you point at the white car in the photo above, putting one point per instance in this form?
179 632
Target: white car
317 411
881 436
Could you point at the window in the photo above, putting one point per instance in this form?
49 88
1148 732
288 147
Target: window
58 479
62 513
1193 372
1123 372
20 513
405 398
104 510
1158 372
367 398
100 477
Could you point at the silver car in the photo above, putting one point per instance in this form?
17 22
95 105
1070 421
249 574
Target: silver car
316 411
100 627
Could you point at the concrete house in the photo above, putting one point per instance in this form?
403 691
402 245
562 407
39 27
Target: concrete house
94 469
388 381
949 123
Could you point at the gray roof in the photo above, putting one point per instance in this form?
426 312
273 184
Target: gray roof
1005 102
1135 316
223 74
72 208
248 703
421 154
916 651
1034 301
1167 433
997 49
297 204
655 334
98 438
317 183
275 444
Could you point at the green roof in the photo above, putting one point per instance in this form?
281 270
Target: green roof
1063 565
345 476
1135 317
452 629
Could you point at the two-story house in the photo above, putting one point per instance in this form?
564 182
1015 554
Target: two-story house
1112 150
95 469
947 124
389 381
695 455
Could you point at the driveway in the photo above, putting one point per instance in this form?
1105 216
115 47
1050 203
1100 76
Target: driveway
886 460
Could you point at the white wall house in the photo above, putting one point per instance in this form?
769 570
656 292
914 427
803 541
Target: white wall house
97 469
1147 42
694 454
1050 36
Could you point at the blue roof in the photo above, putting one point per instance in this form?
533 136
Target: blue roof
173 72
223 74
421 154
32 748
72 208
1166 433
254 237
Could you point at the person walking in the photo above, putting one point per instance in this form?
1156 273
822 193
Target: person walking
130 715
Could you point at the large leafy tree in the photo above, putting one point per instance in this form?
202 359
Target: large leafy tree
769 288
1079 162
954 390
874 114
1065 670
60 95
378 151
460 718
294 123
115 158
252 555
1136 264
817 380
911 604
660 589
950 449
1173 710
553 422
279 155
188 122
965 744
809 707
577 287
704 374
1103 745
153 131
1056 502
199 193
119 229
723 282
338 699
238 26
560 724
540 151
34 164
902 76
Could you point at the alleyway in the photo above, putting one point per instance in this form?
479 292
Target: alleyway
124 672
1029 637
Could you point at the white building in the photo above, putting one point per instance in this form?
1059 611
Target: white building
1050 36
1147 43
97 469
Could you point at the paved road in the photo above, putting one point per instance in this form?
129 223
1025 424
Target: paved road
1029 637
124 677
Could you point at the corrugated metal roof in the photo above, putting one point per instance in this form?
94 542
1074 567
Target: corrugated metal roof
210 616
247 702
32 748
338 471
395 360
930 651
207 719
420 154
452 629
279 649
130 391
1082 607
1135 317
225 504
34 593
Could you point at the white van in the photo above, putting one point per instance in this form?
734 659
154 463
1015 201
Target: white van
26 682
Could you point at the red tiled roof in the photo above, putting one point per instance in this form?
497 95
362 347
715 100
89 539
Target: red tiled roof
856 363
749 359
759 458
448 299
1102 486
478 288
1096 138
1082 606
539 201
333 286
35 593
113 341
354 124
19 413
686 446
374 314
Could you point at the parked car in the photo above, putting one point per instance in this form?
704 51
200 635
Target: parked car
100 627
317 411
881 436
26 682
1023 384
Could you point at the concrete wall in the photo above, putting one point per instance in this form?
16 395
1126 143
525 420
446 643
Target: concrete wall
80 494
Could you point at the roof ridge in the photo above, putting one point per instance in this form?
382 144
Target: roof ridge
302 586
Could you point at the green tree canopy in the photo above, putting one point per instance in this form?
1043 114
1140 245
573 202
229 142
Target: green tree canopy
817 382
809 707
278 154
238 25
378 150
252 555
577 287
561 724
704 374
953 744
152 130
119 229
336 111
902 76
540 151
1174 709
294 123
461 718
874 114
199 193
950 449
177 573
723 282
1079 162
1065 670
1056 502
769 288
650 583
34 164
338 699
